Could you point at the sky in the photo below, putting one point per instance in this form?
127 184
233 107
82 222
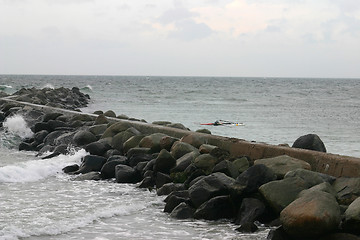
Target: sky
239 38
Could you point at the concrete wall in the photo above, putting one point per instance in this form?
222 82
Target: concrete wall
335 165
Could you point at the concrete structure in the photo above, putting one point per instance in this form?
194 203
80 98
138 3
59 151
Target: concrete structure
332 164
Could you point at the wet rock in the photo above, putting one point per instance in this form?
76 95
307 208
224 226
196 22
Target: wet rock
91 163
248 227
126 174
82 138
137 158
40 126
173 202
95 176
164 162
182 211
251 209
216 208
352 217
340 236
70 168
96 148
215 184
279 194
180 193
310 142
311 216
283 164
162 179
24 146
40 136
167 188
147 182
278 234
108 169
54 124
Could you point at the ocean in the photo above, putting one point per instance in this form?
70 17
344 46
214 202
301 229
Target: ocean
38 201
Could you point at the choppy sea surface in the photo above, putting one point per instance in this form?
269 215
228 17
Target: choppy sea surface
37 201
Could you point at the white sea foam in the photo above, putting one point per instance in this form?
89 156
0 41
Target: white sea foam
16 124
48 85
35 170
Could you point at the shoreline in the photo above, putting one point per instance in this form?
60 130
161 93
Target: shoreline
197 170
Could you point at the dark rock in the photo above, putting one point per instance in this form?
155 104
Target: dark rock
216 208
164 162
136 158
40 126
220 154
108 169
180 193
115 129
251 210
183 162
241 164
278 234
132 142
206 131
340 236
206 148
248 227
179 149
161 179
206 162
101 119
51 116
310 177
167 142
348 189
110 113
112 152
310 142
226 167
40 136
91 163
167 188
138 151
147 182
96 148
82 138
126 174
215 184
61 149
152 141
173 202
352 217
250 180
182 211
88 176
54 124
70 168
98 130
120 138
26 147
322 187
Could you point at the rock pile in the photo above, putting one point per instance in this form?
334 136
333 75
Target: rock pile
202 181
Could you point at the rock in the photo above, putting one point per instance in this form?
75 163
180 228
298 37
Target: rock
132 142
115 129
206 162
226 167
311 216
51 116
206 148
310 177
101 119
161 179
54 124
125 174
65 138
278 234
322 187
98 112
348 189
137 158
177 125
248 227
122 116
26 147
147 182
251 209
173 202
167 188
112 152
161 123
215 184
241 164
41 126
96 148
279 194
167 142
88 176
108 170
61 149
216 208
179 149
250 180
119 139
310 142
352 217
40 136
220 154
180 193
82 138
137 151
182 211
70 168
203 130
164 162
91 163
98 130
283 164
183 162
110 113
152 141
340 236
195 140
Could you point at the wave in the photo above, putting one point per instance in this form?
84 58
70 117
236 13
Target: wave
35 170
17 125
5 87
88 88
48 85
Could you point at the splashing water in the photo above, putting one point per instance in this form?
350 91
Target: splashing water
48 85
16 125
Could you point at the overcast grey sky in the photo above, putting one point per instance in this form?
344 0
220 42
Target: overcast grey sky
264 38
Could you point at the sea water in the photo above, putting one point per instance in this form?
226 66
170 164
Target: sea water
38 201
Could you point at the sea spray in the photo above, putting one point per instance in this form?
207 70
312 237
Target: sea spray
17 125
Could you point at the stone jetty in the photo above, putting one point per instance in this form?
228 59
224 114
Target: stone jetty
299 192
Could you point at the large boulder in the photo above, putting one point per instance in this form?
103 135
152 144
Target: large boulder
115 129
310 177
279 194
310 142
91 163
132 142
352 217
164 162
98 130
152 141
179 149
174 201
167 142
96 148
348 189
215 184
250 180
137 158
88 176
216 208
283 164
101 119
311 215
206 162
108 169
170 187
119 139
322 187
84 137
251 209
241 164
126 174
182 211
183 162
226 167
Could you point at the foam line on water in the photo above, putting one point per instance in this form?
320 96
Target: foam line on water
17 125
35 170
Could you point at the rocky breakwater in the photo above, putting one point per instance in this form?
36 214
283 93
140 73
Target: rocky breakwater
199 180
